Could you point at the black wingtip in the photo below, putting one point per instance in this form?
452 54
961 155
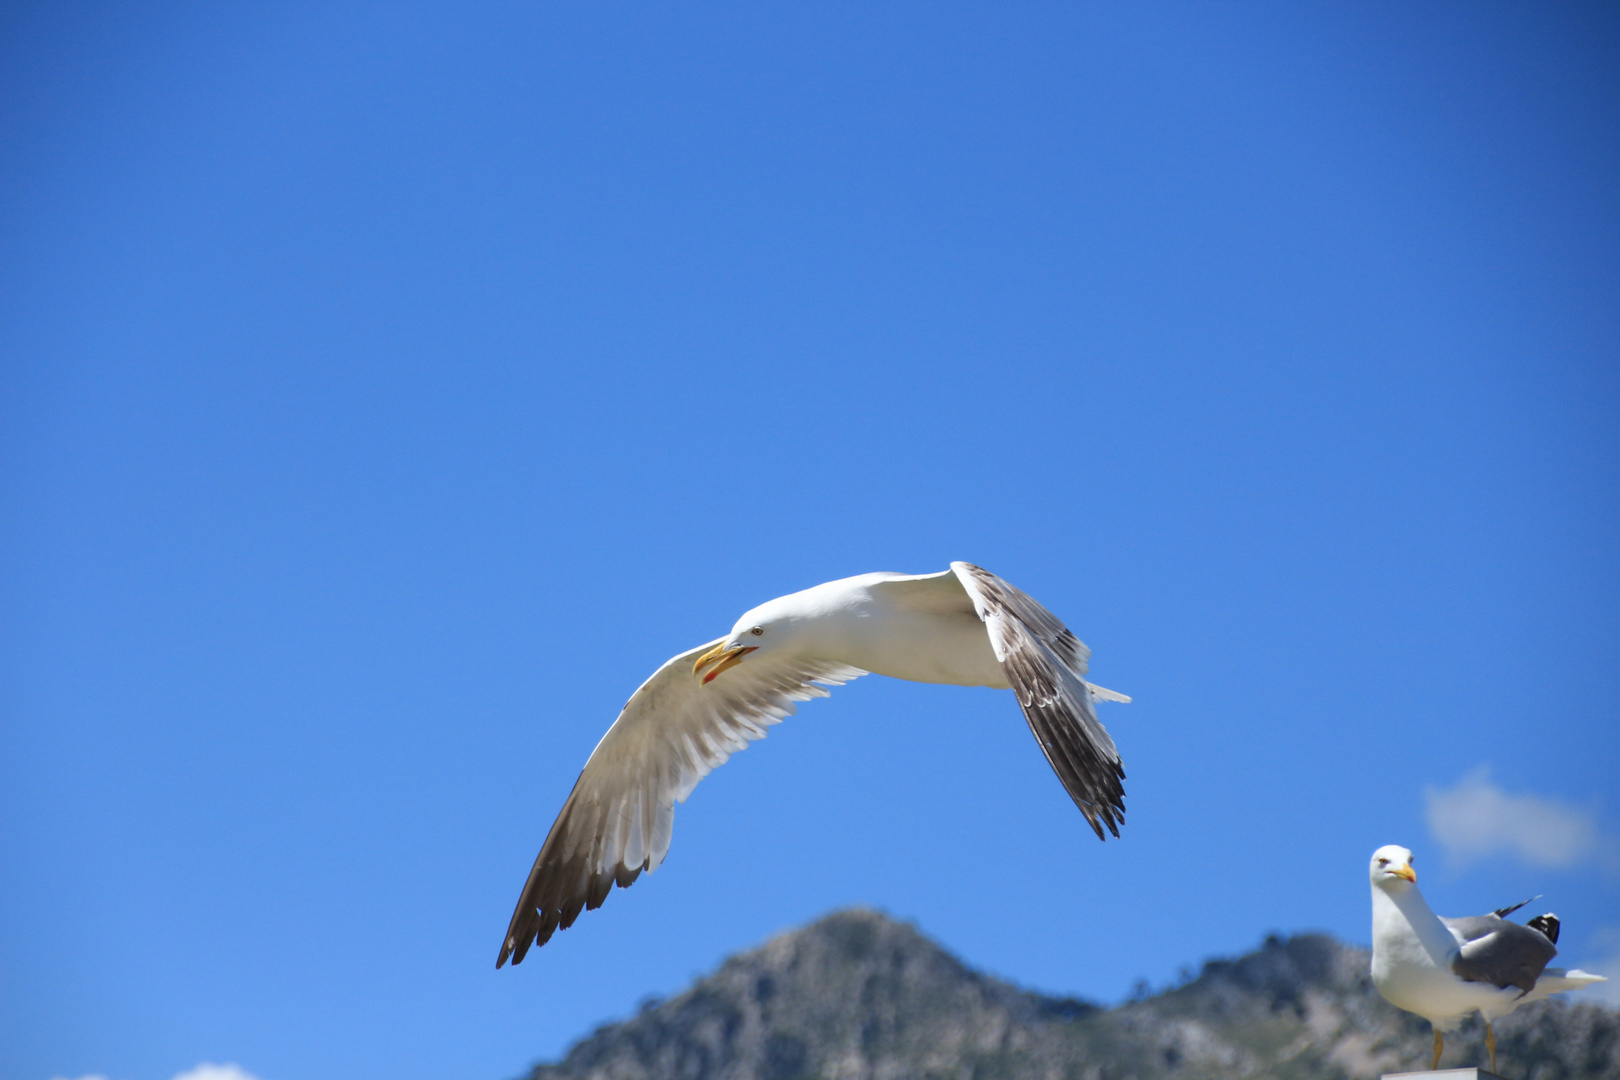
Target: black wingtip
1547 924
1502 913
1111 817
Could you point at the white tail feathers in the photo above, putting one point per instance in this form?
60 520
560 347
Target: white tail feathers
1575 979
1102 693
1559 981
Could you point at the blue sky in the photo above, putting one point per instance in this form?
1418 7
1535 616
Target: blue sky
389 389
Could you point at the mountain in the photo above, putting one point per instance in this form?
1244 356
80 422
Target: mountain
860 996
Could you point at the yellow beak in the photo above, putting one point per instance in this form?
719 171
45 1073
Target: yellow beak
1405 871
727 657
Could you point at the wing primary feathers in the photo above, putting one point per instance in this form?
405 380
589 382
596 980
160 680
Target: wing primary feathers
1073 774
1504 912
1046 665
617 820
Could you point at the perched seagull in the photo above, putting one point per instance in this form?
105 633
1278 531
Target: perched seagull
964 626
1444 969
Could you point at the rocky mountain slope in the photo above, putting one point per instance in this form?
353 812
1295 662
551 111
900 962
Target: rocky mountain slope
859 996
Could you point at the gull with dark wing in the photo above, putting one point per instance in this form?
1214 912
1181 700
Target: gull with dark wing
965 627
1446 969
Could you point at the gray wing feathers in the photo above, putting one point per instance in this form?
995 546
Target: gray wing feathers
1045 663
992 595
1499 952
1472 927
618 819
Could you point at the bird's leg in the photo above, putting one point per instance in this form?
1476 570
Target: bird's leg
1438 1044
1490 1043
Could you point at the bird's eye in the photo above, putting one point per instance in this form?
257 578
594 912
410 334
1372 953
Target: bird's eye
1383 862
756 631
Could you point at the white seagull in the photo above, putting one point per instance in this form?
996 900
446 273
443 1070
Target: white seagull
964 626
1444 969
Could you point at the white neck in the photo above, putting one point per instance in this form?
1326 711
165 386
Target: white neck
1406 905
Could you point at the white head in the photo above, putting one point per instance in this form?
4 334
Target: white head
1391 869
768 627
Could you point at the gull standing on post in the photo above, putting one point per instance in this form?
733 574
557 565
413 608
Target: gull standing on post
1444 969
965 627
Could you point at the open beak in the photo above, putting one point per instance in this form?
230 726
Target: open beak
723 657
1405 871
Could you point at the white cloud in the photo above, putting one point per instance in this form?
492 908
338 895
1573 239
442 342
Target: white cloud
1476 819
206 1070
209 1071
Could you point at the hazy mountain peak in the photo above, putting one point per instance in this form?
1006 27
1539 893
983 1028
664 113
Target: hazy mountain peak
858 995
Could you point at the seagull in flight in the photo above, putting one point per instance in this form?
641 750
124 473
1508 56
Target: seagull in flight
1445 969
964 626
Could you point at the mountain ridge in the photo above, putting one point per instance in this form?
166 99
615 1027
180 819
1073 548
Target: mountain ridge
858 995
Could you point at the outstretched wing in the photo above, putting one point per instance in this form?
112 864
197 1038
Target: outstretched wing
673 731
1046 665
